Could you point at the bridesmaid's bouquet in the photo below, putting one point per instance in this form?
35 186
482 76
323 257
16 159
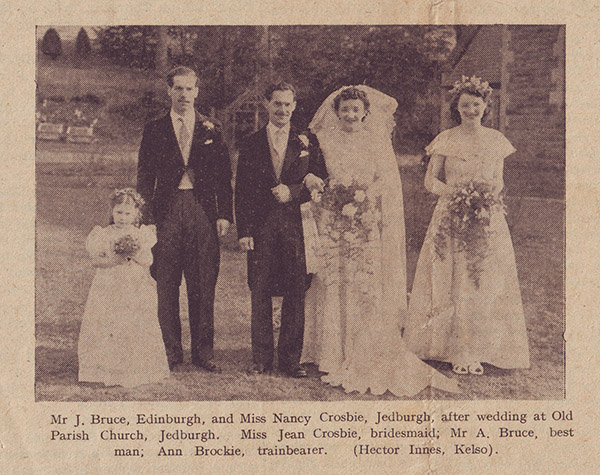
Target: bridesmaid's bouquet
126 246
467 222
356 216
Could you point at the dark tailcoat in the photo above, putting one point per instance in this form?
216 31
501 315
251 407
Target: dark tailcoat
186 226
277 265
255 202
161 166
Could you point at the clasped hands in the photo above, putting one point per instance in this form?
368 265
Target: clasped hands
282 194
313 183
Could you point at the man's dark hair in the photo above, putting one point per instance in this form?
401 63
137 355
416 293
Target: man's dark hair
279 86
180 71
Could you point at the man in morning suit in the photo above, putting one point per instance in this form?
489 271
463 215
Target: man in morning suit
269 191
184 174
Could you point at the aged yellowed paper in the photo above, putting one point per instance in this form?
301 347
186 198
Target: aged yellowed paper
71 135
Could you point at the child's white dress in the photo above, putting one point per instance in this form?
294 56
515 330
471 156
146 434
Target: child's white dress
120 342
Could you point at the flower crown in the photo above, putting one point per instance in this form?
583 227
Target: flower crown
131 193
472 83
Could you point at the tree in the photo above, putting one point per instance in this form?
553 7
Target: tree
133 46
400 61
51 44
225 57
161 59
82 44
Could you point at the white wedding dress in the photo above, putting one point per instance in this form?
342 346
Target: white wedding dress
357 301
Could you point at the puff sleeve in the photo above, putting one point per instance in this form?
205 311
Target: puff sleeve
96 243
501 148
147 236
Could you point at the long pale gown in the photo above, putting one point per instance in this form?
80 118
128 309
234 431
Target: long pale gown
357 301
450 318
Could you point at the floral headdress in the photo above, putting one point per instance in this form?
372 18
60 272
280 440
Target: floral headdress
472 83
128 192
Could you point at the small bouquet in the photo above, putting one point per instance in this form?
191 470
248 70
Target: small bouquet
126 246
467 221
355 216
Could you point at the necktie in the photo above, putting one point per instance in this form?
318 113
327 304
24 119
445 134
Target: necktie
184 138
184 144
278 145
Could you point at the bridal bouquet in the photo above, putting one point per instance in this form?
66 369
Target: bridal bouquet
126 246
467 221
355 215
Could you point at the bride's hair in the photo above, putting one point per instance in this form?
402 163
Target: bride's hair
351 93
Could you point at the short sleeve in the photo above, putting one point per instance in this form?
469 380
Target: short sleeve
96 241
493 144
438 145
148 235
502 147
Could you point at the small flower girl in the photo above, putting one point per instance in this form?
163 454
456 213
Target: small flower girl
120 341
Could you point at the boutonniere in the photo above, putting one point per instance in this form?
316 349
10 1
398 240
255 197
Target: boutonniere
303 153
208 125
208 142
304 139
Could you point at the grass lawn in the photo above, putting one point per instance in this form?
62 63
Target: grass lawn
71 199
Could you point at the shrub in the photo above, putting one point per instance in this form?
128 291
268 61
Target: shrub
51 44
82 44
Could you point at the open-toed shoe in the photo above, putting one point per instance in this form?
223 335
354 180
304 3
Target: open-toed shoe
476 369
460 369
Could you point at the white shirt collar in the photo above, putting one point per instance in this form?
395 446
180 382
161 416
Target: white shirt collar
189 118
272 129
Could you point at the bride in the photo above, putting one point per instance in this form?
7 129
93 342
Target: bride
357 301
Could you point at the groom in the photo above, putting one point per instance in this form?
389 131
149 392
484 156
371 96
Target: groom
269 191
184 175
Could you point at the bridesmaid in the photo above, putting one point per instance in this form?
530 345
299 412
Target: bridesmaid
465 306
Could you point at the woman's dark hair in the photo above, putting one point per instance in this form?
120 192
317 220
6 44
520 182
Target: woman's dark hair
349 94
455 115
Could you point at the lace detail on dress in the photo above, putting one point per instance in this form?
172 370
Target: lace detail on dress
349 156
357 301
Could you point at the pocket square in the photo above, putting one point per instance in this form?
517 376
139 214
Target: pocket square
304 153
208 142
304 139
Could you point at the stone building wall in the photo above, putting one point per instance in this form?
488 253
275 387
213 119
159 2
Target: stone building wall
533 93
525 64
